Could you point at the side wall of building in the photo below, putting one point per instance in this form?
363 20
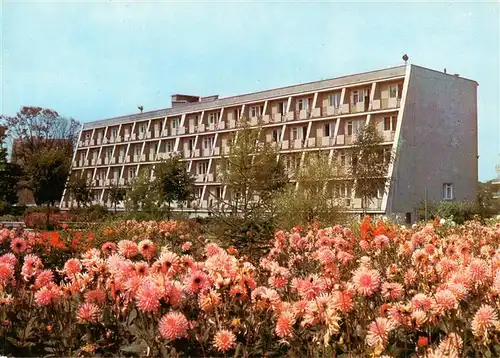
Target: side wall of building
438 141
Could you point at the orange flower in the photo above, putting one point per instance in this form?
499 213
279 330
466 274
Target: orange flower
423 341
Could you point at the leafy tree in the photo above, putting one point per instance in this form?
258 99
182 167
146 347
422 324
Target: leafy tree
486 204
41 134
174 182
116 194
458 211
312 198
80 188
48 173
142 194
252 177
369 164
35 128
9 177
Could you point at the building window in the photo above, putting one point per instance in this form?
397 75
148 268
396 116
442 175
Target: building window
448 191
349 127
213 117
303 104
237 114
109 152
87 136
282 107
342 159
276 135
131 173
142 128
198 192
255 111
208 142
202 168
334 100
390 123
393 91
175 123
114 133
170 146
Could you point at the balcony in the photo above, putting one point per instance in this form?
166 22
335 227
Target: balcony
388 136
206 152
277 117
304 114
296 144
195 153
311 142
221 125
266 118
211 126
232 124
285 145
331 111
290 116
199 129
157 133
316 112
209 177
216 151
254 121
327 141
186 154
121 159
199 178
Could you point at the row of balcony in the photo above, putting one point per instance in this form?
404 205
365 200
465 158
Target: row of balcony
339 140
233 124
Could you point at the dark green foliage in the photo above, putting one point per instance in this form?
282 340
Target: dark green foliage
458 211
80 189
368 167
116 194
173 182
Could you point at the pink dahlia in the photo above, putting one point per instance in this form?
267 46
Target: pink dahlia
88 313
18 245
484 319
366 281
148 297
127 248
378 332
224 340
147 249
173 325
72 267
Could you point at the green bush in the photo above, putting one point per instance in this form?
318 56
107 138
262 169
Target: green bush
458 211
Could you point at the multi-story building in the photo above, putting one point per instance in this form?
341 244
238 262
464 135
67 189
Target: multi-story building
427 118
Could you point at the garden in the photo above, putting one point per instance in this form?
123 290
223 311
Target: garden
166 288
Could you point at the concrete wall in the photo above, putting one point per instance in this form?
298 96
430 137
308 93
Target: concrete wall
438 141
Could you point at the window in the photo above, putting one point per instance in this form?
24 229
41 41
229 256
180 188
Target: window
334 100
276 135
349 127
137 150
255 111
387 155
202 168
393 91
87 136
328 130
355 97
198 192
303 104
343 190
170 146
142 128
282 107
448 191
131 173
213 117
237 114
295 133
109 152
175 123
390 123
114 133
208 142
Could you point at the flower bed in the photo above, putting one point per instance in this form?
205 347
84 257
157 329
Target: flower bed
157 289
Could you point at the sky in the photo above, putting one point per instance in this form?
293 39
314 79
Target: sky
93 60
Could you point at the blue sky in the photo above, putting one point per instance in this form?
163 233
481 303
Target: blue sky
94 60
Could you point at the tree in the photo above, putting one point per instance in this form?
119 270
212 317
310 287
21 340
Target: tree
174 182
252 176
36 132
312 198
369 164
48 173
34 128
9 177
80 188
142 194
486 204
116 194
